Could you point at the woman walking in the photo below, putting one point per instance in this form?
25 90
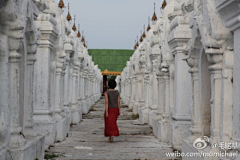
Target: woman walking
112 111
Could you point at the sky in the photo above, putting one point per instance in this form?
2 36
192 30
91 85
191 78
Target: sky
112 24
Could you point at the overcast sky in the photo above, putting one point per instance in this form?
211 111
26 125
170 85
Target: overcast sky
112 24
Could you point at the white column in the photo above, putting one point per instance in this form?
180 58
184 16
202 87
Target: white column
215 57
236 87
197 127
5 109
160 98
165 137
62 83
16 140
28 130
70 83
183 91
57 99
75 111
66 83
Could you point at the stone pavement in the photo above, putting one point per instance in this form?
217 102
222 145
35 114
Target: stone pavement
86 140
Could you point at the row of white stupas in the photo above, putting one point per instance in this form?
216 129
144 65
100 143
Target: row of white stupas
184 77
47 78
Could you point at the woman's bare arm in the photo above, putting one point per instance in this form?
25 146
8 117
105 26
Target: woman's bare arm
106 104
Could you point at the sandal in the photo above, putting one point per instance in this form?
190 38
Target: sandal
109 139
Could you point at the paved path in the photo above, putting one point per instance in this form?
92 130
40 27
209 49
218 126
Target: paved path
86 140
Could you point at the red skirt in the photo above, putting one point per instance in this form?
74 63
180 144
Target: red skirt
111 128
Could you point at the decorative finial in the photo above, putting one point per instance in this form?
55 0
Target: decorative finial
144 34
137 42
78 34
141 38
149 27
83 39
69 17
74 26
135 46
61 4
164 4
154 17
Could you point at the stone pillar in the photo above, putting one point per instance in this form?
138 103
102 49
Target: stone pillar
131 95
134 97
74 85
149 91
68 48
140 91
66 78
16 139
197 110
125 91
160 105
66 83
155 85
87 84
94 89
62 83
166 115
129 92
231 21
70 83
236 87
80 87
77 85
182 100
154 90
76 117
83 92
215 58
65 110
141 86
144 109
136 103
160 98
91 91
62 122
43 113
28 130
5 109
181 117
127 87
57 106
183 91
226 130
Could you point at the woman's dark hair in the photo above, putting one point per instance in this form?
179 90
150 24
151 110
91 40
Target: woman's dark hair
112 83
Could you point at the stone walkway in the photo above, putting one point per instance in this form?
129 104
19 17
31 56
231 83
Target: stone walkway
86 140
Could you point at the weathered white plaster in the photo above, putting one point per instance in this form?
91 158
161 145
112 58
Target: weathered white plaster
41 59
194 73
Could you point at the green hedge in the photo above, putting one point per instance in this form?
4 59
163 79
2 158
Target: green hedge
110 59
